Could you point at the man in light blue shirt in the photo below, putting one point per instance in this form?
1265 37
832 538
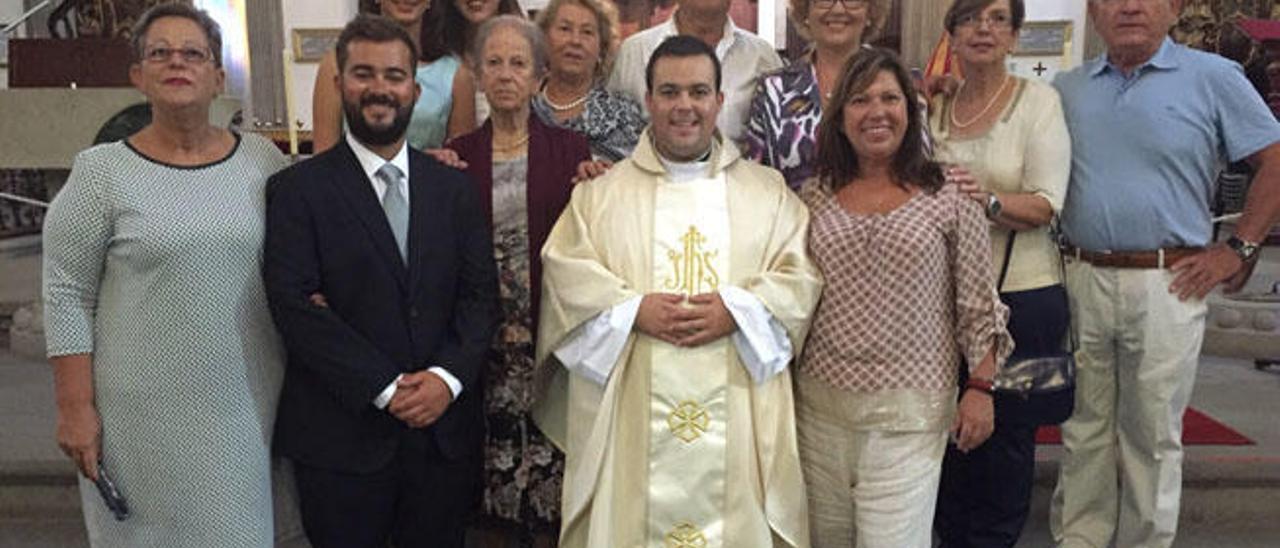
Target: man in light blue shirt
1152 124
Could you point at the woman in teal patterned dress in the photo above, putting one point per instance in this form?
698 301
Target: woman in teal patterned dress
166 364
446 107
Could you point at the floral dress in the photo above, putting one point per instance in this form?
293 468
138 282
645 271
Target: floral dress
611 122
523 469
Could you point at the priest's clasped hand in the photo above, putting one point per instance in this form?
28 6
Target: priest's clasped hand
693 322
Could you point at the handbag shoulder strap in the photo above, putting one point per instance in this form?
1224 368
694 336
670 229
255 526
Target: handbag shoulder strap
1008 254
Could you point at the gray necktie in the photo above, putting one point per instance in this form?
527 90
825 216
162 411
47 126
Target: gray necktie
396 208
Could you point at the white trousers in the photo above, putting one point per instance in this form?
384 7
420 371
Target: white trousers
1121 476
866 488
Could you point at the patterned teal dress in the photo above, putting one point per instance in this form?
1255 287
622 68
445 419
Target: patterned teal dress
430 123
155 270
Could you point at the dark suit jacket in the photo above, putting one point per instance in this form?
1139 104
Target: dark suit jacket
554 155
326 233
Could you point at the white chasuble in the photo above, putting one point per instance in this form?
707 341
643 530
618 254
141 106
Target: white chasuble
675 447
688 386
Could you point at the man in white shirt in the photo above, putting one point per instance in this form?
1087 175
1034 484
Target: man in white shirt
380 275
742 55
676 290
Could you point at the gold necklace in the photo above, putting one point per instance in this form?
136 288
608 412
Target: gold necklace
511 146
954 107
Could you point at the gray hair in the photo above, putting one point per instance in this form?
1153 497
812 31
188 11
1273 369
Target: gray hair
531 33
212 32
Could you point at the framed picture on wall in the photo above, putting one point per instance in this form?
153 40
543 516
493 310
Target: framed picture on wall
310 45
1044 38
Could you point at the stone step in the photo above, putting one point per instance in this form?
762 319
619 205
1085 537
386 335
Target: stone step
1241 492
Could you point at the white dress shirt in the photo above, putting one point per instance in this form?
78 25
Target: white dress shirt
594 347
743 58
371 162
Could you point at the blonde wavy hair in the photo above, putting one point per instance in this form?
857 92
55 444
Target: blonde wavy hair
606 23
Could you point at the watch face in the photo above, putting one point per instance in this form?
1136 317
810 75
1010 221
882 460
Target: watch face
1246 250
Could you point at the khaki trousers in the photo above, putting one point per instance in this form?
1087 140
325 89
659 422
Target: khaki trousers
1121 476
866 488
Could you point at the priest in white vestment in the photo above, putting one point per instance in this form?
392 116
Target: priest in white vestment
676 291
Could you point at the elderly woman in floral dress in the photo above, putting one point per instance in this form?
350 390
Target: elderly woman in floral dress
522 169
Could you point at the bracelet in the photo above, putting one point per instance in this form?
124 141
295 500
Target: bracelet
980 384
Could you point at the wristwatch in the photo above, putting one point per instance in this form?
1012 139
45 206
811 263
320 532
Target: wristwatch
1246 250
993 205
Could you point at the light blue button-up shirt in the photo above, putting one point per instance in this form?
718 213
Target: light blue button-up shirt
1146 149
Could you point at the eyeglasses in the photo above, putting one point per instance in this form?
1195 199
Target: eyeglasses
998 21
851 5
191 55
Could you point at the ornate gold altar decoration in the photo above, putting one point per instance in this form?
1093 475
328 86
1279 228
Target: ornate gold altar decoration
112 18
693 266
684 535
688 421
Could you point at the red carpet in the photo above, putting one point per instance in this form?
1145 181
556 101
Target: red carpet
1197 429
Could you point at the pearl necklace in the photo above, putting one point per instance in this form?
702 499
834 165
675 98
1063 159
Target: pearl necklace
956 122
569 106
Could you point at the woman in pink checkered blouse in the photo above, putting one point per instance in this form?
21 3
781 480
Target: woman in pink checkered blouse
909 298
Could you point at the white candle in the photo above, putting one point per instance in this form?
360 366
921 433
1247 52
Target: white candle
288 104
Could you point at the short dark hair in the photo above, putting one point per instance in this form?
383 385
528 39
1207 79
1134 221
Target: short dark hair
452 30
964 8
837 162
373 28
680 45
212 32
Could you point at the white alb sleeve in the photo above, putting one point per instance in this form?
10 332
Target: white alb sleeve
592 349
761 341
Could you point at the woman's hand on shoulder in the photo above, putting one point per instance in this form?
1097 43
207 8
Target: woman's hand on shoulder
447 156
965 182
590 169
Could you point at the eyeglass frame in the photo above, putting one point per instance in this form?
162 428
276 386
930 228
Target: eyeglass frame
162 54
849 5
975 21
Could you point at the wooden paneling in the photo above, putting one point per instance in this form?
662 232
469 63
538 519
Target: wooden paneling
55 63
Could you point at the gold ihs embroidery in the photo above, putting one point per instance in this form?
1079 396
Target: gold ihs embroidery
694 271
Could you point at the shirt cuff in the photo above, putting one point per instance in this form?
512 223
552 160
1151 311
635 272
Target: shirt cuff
455 386
593 348
387 393
761 341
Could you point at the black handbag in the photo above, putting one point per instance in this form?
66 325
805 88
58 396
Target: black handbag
1036 389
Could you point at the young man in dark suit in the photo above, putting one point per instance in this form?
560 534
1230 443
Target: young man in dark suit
379 269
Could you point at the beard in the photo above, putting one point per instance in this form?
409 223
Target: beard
366 133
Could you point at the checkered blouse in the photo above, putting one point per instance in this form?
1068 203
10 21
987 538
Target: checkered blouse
908 294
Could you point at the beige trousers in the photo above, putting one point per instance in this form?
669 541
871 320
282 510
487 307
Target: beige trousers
1121 476
866 488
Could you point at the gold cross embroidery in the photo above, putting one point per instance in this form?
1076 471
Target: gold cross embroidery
684 536
688 421
693 266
